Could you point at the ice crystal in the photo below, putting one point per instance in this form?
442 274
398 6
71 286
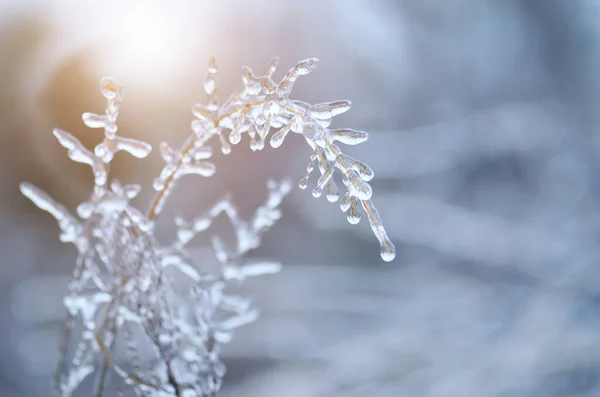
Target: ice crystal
148 313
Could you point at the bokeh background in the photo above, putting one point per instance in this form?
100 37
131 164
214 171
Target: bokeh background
484 122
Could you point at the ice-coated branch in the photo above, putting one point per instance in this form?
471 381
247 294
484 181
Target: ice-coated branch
69 225
112 143
149 313
248 233
264 105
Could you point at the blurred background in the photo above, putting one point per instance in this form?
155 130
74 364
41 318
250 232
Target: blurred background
484 122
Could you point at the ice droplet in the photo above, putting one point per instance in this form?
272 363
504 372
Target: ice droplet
388 253
225 146
345 204
236 134
357 187
158 184
332 194
109 87
278 137
353 214
303 183
235 137
324 179
209 85
212 66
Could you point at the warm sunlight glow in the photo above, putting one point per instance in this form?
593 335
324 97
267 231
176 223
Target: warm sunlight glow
148 43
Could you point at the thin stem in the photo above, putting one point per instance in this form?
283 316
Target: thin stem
153 213
103 371
64 343
172 380
159 197
66 333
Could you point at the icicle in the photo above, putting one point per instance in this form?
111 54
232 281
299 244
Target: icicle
388 251
225 147
323 180
332 194
353 212
278 137
236 134
364 171
356 186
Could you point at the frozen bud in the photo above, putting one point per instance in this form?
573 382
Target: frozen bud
272 66
109 87
212 66
305 67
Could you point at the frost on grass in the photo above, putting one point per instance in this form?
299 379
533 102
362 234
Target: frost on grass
145 313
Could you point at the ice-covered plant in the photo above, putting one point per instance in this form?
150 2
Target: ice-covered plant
142 311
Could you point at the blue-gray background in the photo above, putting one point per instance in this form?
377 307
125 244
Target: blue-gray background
485 143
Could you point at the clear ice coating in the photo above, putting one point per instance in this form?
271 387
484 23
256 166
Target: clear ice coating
264 105
124 292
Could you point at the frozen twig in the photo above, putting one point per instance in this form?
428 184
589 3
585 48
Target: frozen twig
263 105
128 288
